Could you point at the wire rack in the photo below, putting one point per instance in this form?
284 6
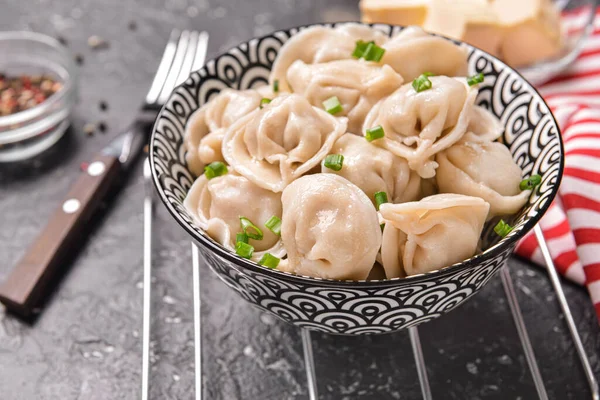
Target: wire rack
420 362
311 377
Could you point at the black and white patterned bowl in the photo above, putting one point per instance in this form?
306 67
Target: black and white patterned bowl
358 307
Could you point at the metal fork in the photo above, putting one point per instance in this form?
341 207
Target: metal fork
185 52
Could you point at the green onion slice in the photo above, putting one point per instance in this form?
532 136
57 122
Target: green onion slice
475 79
334 161
274 224
375 133
373 52
241 237
270 261
421 83
530 183
380 198
264 102
361 47
368 50
215 169
502 228
244 250
332 105
276 86
428 74
250 229
382 226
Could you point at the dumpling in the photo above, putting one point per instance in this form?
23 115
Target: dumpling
414 51
374 169
217 205
430 234
417 125
485 124
205 129
357 84
476 167
282 141
329 228
319 44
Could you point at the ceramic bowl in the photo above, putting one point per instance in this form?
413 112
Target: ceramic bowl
358 307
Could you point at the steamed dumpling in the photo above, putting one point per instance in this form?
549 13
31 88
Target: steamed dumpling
357 84
414 51
329 228
417 125
374 169
319 44
485 124
282 141
430 234
476 167
206 127
217 205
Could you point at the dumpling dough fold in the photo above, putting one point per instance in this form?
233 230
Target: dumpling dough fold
319 44
414 51
217 205
206 127
430 234
357 84
282 141
374 169
329 228
477 167
417 125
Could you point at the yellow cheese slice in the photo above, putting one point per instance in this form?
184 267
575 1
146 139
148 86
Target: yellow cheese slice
520 32
394 12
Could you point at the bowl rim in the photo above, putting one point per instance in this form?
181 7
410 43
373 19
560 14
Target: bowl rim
31 114
472 262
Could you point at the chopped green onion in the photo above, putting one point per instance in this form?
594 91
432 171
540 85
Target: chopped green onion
373 52
382 226
375 133
380 198
334 161
333 105
421 83
276 86
215 169
368 50
241 237
502 228
248 226
530 183
244 250
274 224
270 261
264 102
359 50
428 74
475 79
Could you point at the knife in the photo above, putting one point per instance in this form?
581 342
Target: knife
26 284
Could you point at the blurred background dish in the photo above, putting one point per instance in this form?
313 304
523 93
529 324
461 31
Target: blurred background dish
28 129
540 38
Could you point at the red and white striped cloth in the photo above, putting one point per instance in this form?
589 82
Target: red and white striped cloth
572 224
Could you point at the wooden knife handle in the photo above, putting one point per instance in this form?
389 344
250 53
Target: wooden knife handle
23 288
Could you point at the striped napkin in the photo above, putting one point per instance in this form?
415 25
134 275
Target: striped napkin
572 224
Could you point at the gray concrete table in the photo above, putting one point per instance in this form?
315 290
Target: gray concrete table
87 344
